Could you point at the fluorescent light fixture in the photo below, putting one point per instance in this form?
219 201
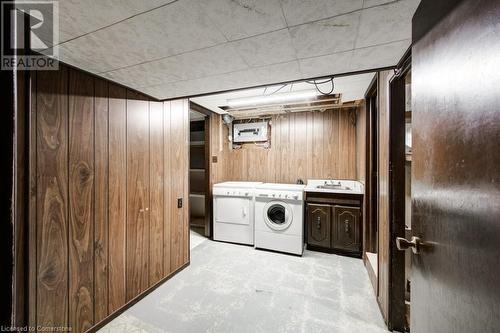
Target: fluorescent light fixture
272 99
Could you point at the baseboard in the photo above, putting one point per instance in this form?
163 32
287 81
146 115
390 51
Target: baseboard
134 300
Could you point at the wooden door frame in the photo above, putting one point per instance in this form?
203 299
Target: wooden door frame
371 192
208 230
397 127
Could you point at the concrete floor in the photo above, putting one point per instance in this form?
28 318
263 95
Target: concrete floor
234 288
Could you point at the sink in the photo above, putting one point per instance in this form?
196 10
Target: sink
334 187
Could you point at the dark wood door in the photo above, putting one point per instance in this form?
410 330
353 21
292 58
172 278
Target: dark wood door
318 225
456 173
345 233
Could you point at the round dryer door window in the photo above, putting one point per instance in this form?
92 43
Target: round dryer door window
277 215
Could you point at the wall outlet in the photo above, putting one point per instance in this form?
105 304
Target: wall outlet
179 202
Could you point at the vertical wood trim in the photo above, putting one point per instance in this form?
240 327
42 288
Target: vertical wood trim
185 177
101 201
157 187
52 198
81 199
168 206
117 196
138 194
32 221
177 183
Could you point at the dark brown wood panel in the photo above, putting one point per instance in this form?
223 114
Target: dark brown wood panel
117 196
455 163
318 225
52 198
101 201
137 194
106 169
81 200
32 209
156 211
346 227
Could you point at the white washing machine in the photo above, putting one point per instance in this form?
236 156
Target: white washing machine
233 213
279 222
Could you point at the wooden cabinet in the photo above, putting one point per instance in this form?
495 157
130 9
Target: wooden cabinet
346 229
333 222
318 228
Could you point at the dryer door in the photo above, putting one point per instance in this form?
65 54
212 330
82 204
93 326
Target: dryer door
278 215
232 210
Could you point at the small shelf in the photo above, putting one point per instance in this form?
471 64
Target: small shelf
197 143
197 170
197 195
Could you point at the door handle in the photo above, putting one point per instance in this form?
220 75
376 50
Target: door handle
244 212
403 244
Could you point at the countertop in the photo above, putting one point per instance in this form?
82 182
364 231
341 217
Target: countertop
354 186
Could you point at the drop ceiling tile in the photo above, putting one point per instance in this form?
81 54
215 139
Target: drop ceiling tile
179 27
379 56
271 48
200 63
326 65
303 11
78 17
287 71
325 36
386 23
228 81
244 18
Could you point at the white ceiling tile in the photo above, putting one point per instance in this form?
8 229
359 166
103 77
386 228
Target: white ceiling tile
239 79
302 11
287 71
200 63
325 36
326 65
244 18
78 17
386 23
270 48
179 27
379 56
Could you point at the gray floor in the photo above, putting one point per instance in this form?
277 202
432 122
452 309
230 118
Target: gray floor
233 288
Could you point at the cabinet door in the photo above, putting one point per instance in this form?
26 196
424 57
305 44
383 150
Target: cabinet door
318 225
346 229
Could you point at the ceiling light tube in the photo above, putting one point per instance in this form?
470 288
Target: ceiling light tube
272 99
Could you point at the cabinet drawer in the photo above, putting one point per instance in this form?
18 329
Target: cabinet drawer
346 229
318 225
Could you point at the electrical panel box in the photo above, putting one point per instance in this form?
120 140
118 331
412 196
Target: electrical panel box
250 132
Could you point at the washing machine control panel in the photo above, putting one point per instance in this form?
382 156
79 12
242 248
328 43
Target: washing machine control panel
233 192
286 195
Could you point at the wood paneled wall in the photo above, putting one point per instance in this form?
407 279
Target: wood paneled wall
109 166
361 143
304 145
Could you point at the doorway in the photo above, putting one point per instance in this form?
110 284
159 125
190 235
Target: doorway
199 171
371 202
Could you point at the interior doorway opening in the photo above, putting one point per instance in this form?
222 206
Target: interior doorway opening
199 174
